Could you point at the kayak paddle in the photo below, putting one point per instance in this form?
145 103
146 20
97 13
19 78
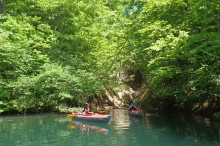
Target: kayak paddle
71 115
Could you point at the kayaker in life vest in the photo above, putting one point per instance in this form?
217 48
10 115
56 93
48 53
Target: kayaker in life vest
85 108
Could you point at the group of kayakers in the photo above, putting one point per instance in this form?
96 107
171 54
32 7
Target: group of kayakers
132 106
86 115
85 108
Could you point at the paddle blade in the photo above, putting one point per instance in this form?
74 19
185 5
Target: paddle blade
102 112
71 115
71 126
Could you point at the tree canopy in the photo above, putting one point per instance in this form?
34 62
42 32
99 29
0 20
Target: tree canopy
64 51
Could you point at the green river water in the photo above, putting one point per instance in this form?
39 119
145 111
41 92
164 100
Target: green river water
122 130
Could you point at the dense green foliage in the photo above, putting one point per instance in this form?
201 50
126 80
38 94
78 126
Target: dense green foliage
46 57
63 51
176 45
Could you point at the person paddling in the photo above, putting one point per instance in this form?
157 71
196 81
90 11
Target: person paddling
132 107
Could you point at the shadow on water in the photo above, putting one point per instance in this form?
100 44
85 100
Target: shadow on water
191 128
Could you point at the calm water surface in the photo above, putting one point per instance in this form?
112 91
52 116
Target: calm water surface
122 130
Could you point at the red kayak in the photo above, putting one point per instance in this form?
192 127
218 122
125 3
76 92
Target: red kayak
136 112
93 117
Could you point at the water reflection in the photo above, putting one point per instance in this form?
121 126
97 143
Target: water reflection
164 130
85 127
135 119
120 119
122 130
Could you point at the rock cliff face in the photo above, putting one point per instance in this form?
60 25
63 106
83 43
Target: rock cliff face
113 98
137 90
131 90
120 98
